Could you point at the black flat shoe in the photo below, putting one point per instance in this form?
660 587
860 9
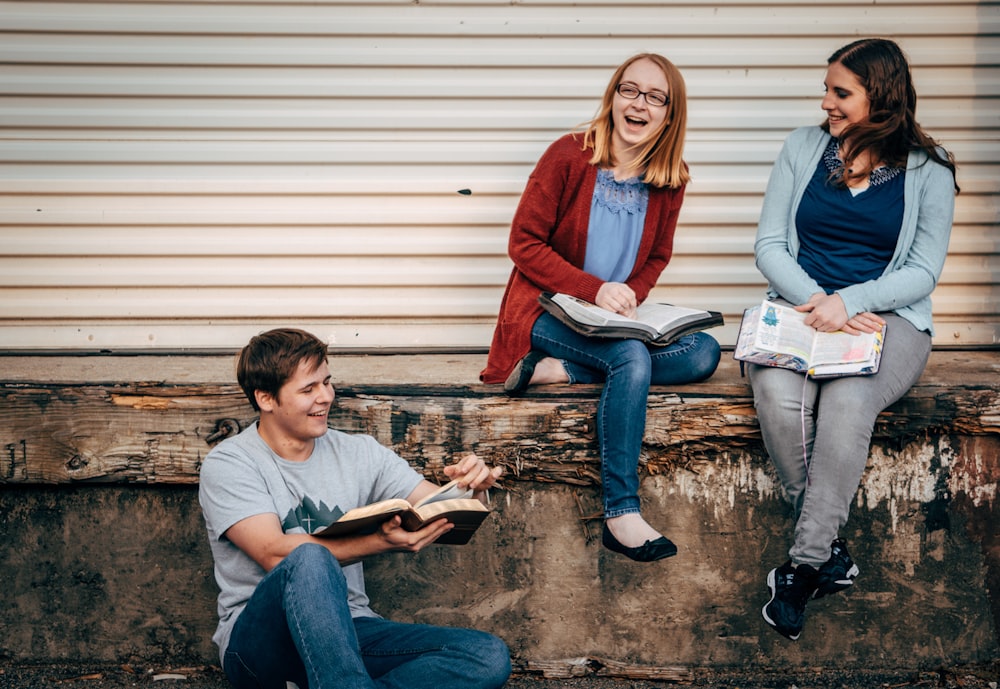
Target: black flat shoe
650 551
517 381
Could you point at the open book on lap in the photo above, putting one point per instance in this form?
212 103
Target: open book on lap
656 324
772 334
448 502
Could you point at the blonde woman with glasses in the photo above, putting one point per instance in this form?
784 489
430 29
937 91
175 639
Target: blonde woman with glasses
596 221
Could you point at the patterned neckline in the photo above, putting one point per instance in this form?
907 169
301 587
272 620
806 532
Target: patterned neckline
629 195
835 165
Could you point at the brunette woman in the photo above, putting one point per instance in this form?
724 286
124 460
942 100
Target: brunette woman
853 232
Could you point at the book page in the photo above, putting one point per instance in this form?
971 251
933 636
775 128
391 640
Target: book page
585 312
383 507
836 370
652 317
448 491
841 348
446 507
662 316
782 329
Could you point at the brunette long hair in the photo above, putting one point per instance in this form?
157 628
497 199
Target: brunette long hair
661 155
891 130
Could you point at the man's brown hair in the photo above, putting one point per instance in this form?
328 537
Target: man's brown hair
270 359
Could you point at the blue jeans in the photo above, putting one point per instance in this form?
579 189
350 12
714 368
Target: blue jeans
297 627
627 368
836 416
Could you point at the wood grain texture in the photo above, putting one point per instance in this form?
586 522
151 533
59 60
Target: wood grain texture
159 432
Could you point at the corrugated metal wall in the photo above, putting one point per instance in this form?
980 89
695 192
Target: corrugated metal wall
185 174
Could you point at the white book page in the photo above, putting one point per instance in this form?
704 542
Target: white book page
661 315
839 347
658 316
586 313
837 369
448 491
783 330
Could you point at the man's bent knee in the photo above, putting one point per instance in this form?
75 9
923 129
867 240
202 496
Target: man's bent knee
494 659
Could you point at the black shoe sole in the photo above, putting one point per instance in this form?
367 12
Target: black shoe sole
518 380
650 551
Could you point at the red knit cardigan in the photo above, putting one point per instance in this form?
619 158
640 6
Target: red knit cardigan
548 244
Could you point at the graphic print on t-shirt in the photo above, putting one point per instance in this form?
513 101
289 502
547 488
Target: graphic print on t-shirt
310 517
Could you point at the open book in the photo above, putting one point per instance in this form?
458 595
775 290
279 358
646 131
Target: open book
775 335
657 324
448 502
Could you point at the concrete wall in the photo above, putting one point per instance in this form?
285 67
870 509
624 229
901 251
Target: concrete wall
124 573
105 555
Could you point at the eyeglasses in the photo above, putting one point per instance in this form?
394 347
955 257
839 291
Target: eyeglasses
655 98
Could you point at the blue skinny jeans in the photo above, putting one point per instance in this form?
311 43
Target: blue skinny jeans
627 368
297 628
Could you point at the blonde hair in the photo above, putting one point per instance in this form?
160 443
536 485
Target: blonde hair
661 154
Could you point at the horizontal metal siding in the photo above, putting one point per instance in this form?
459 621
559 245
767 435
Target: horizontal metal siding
182 175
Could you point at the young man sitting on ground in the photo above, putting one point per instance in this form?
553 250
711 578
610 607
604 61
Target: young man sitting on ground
293 607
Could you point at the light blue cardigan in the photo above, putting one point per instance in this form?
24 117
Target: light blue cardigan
913 271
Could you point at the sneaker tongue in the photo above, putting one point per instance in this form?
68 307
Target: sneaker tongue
803 580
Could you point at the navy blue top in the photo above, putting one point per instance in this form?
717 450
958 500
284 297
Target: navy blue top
848 237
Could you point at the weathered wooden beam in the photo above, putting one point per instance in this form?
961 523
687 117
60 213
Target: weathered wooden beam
159 432
138 433
567 668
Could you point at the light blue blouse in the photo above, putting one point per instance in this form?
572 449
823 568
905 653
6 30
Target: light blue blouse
617 216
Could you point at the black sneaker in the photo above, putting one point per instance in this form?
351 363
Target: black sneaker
791 587
837 573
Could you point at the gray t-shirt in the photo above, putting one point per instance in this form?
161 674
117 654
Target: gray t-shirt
243 477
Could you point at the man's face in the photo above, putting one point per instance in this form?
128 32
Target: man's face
299 412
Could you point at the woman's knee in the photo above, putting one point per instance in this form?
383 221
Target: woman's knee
691 359
631 358
707 355
778 391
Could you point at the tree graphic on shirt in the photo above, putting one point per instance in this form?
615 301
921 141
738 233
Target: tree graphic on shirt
310 516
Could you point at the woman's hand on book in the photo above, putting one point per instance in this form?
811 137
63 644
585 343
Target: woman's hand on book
617 297
825 312
866 322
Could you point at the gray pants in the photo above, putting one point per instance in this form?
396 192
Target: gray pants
840 415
